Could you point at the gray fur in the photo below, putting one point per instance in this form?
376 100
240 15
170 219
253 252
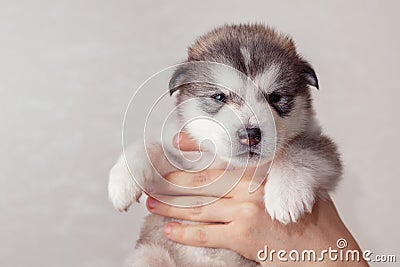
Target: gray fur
307 164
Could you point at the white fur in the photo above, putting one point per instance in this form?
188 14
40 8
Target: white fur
246 56
289 193
228 77
297 177
122 187
267 79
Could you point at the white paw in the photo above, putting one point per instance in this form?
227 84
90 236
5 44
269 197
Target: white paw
122 188
287 202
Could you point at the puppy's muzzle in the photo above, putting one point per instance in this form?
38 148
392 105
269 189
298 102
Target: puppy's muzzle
249 136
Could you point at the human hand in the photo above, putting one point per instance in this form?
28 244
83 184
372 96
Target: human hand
238 221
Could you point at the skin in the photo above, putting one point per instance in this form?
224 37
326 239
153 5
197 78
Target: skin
248 233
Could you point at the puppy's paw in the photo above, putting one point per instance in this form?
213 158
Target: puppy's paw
122 188
287 202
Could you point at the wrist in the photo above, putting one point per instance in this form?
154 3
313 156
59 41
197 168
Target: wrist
313 234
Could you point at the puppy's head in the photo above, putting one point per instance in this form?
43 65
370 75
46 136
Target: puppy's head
239 83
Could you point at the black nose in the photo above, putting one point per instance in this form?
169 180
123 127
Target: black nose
249 136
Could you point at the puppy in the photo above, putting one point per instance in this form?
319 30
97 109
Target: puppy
255 84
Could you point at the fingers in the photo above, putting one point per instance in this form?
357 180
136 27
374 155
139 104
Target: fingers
202 178
221 211
194 183
186 201
199 235
211 182
194 179
182 141
191 183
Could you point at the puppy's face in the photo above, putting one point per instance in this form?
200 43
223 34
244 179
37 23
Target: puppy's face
245 89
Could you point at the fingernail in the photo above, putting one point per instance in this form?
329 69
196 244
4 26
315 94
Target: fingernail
167 229
177 140
151 203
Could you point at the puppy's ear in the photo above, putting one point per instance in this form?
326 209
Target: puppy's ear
309 74
177 79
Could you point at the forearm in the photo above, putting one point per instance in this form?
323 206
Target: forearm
325 235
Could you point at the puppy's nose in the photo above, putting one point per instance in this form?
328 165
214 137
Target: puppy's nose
249 136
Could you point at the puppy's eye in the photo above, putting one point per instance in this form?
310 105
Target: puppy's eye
274 97
221 97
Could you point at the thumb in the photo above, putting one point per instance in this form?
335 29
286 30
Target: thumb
184 142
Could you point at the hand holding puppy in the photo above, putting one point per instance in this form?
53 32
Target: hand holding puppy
238 221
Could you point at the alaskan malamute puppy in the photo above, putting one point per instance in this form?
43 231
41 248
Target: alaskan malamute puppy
306 165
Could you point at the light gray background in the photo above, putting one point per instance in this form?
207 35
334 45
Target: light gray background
68 69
